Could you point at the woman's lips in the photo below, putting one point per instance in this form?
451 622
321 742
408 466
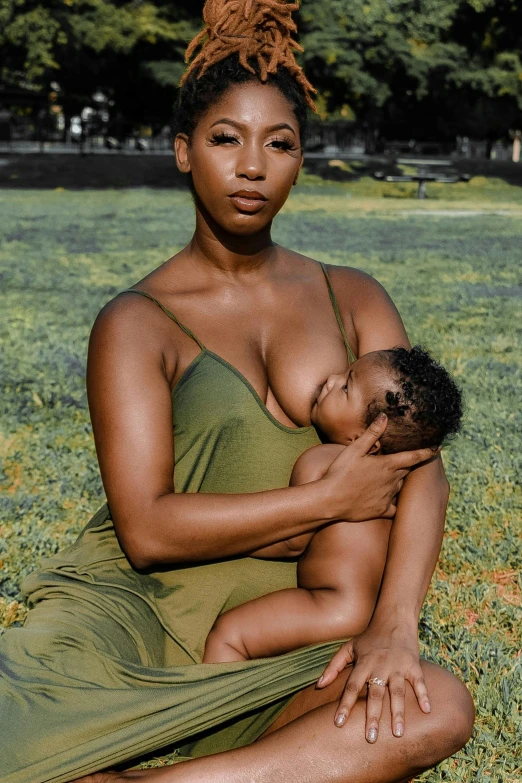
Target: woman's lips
248 201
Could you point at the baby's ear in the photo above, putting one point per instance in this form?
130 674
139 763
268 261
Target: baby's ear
376 448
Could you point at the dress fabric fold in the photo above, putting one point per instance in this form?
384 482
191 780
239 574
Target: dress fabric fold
108 667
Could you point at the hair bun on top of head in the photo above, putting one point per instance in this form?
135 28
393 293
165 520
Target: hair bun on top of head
254 29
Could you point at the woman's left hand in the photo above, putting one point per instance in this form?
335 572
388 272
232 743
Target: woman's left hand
391 656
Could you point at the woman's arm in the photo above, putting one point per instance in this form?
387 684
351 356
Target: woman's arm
130 401
388 649
311 466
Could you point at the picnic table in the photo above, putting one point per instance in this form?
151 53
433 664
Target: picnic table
428 170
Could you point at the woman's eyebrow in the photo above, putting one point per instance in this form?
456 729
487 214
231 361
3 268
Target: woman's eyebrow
226 121
280 126
239 125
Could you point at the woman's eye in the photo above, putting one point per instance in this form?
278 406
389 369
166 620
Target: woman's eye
345 388
283 144
223 138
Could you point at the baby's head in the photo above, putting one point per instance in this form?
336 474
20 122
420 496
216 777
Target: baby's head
419 397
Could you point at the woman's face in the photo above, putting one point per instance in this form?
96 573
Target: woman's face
244 156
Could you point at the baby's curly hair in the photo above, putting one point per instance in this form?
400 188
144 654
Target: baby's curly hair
425 407
243 41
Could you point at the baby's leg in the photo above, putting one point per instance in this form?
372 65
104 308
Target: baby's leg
339 577
275 624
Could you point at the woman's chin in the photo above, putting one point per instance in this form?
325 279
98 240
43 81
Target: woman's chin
245 225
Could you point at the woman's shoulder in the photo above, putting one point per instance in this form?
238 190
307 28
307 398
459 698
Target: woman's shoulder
343 273
131 329
369 315
353 283
134 310
353 288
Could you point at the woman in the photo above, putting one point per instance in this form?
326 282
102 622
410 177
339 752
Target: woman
230 340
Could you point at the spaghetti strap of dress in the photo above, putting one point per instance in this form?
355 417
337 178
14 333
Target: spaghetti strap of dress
183 328
351 355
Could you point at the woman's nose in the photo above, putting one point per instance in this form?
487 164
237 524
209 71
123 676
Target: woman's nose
251 163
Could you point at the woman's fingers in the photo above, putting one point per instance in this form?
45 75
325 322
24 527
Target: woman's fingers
369 438
397 699
376 691
354 685
404 460
340 661
419 686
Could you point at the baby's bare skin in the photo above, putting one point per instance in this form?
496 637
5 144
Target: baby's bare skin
339 574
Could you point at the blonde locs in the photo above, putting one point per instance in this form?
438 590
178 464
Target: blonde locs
252 29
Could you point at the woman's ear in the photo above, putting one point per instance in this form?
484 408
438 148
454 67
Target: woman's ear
181 150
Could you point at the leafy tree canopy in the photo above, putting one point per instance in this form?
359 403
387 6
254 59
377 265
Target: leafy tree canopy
364 52
372 60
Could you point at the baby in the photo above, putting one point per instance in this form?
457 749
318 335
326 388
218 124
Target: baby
424 407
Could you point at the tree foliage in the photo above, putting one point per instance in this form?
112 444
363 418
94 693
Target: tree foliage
39 36
133 49
366 55
452 64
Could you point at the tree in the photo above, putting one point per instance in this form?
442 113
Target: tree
412 67
422 65
133 49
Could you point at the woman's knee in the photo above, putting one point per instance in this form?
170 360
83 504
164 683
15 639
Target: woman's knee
453 711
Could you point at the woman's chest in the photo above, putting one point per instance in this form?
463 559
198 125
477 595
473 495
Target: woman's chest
284 356
285 343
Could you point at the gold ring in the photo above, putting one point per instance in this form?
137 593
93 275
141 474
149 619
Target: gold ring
377 681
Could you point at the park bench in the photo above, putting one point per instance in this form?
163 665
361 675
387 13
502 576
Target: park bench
427 170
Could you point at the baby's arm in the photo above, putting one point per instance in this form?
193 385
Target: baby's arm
311 466
287 619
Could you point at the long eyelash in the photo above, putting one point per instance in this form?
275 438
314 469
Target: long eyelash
219 137
285 143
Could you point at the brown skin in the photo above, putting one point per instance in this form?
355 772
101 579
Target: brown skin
230 270
339 576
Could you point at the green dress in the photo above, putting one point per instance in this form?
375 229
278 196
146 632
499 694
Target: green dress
108 665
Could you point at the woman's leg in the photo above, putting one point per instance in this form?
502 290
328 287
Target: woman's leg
304 745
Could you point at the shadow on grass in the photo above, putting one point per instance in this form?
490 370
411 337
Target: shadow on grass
334 170
49 171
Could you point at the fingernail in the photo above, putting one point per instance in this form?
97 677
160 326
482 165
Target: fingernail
340 719
399 730
427 706
381 417
372 735
320 680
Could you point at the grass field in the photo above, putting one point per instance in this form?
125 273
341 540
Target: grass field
453 266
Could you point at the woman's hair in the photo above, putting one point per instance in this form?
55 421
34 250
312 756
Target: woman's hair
243 41
425 407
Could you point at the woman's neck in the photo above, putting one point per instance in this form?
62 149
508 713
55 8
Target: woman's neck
229 253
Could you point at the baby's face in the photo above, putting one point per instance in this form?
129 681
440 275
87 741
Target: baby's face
340 409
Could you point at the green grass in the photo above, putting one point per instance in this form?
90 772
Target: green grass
457 282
